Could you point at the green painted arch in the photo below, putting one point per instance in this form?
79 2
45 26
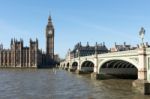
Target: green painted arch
115 59
75 63
87 61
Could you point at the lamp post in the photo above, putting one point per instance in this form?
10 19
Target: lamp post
96 58
96 49
141 34
78 53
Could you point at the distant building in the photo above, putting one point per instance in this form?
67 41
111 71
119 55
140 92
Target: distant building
80 50
123 47
1 46
57 58
20 56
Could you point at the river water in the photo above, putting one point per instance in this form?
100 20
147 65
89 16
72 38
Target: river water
61 84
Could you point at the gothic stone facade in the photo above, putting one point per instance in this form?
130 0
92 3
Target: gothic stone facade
20 56
80 50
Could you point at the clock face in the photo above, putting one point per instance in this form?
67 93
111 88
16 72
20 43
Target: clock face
50 32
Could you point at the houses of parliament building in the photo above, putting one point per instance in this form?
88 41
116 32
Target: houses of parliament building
19 56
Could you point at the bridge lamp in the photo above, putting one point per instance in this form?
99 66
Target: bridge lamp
142 33
77 52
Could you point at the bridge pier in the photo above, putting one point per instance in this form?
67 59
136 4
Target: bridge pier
79 72
143 86
95 76
82 72
71 70
65 68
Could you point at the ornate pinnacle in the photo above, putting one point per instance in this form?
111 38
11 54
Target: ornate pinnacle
142 33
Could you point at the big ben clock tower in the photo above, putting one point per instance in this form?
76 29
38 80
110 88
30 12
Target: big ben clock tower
50 38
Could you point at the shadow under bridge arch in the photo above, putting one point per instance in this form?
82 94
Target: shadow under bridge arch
74 65
119 68
87 66
68 65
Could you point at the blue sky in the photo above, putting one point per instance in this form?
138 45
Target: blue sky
99 21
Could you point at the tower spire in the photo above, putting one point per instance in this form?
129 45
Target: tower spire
50 24
50 38
49 19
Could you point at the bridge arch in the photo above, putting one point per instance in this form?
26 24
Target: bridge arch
87 66
68 64
119 67
74 65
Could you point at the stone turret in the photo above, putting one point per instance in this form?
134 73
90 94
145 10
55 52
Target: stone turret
1 46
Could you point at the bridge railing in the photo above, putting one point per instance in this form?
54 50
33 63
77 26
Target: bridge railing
114 54
147 50
121 53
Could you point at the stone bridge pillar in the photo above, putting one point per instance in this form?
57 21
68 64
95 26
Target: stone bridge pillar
96 64
142 69
95 74
79 63
142 83
79 66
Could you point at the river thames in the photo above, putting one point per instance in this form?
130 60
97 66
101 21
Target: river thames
61 84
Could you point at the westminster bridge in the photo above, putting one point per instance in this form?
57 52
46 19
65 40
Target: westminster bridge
132 63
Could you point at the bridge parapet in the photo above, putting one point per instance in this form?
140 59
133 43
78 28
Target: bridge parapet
118 54
148 51
113 54
87 56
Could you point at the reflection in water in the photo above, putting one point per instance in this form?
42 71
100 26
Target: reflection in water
59 84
